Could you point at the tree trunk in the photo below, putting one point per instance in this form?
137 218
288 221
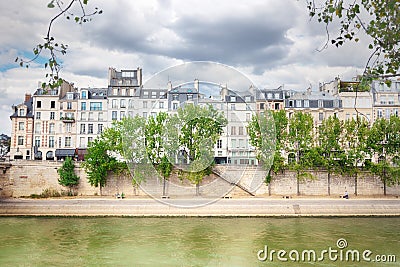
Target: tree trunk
298 184
163 190
329 183
197 189
384 187
355 185
269 189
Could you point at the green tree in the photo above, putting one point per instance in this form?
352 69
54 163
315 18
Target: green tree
331 153
383 142
378 19
192 134
155 133
67 174
98 163
268 132
301 144
354 134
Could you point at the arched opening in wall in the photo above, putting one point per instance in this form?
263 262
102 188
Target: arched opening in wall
50 155
381 159
38 155
291 158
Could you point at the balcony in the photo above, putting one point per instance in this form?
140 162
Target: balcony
67 119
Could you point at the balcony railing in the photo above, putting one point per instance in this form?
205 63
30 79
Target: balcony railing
67 119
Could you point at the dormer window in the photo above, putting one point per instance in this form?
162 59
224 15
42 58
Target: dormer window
83 95
21 112
70 95
233 98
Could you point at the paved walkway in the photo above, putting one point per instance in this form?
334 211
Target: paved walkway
196 207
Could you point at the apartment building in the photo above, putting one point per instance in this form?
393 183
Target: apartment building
386 99
22 129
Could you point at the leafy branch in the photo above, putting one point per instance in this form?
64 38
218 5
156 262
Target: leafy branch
54 48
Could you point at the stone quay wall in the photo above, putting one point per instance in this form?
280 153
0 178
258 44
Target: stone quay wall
23 178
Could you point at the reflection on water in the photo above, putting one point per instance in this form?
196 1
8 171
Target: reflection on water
186 241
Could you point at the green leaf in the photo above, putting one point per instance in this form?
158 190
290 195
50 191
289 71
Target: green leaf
51 5
85 2
76 19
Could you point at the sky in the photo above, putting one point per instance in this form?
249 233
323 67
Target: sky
271 42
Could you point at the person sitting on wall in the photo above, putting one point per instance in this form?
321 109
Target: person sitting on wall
346 195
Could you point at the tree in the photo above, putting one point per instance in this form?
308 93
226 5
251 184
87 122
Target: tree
330 149
378 19
191 136
50 45
98 163
155 133
268 132
384 143
354 134
300 142
67 175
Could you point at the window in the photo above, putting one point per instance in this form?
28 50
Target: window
70 95
130 103
277 106
153 114
144 114
90 116
380 114
83 94
38 104
100 116
153 94
52 115
144 104
53 104
161 104
22 112
83 128
68 141
396 112
347 116
175 106
269 95
97 105
145 94
219 144
233 130
233 107
123 91
83 116
37 141
21 126
298 103
114 103
241 143
248 107
61 105
38 115
262 105
83 106
90 128
248 98
321 116
387 113
190 97
122 103
233 142
38 127
51 141
82 142
68 127
153 104
51 128
122 115
89 140
248 115
320 103
240 130
276 95
306 103
291 104
114 115
219 153
100 128
69 105
233 98
175 97
20 140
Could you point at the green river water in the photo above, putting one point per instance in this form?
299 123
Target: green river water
119 241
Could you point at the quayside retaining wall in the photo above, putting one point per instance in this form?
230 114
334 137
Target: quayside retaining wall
23 178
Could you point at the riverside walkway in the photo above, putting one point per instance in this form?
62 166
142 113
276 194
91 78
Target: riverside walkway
243 207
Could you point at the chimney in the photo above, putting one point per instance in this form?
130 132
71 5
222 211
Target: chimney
27 97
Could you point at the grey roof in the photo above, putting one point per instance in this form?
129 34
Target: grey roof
313 96
29 113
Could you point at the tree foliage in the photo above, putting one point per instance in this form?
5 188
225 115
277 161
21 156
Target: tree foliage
52 48
379 19
67 174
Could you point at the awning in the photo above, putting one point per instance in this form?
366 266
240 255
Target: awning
65 153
